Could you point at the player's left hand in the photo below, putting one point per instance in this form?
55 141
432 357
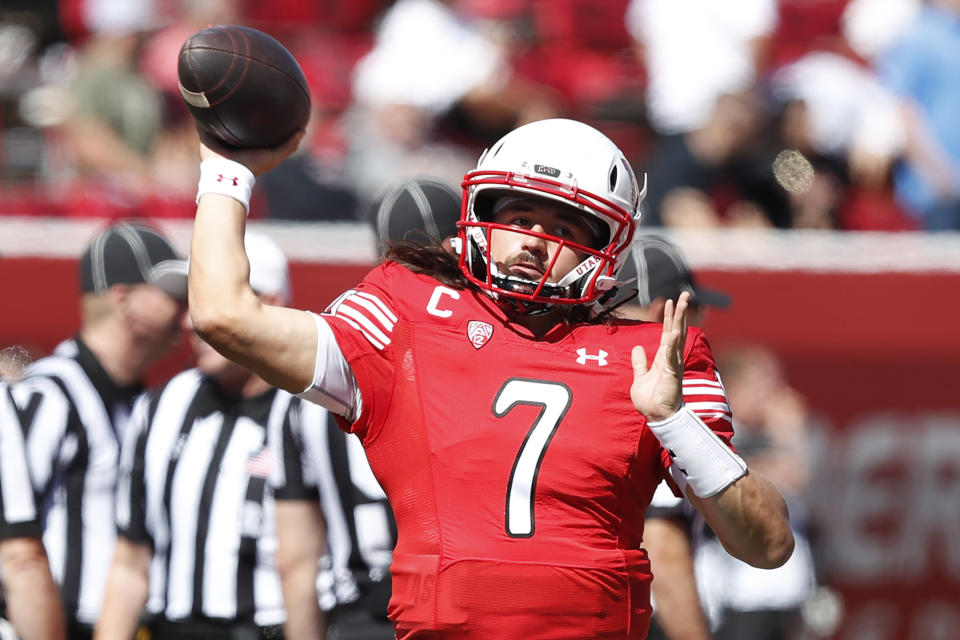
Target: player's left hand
657 390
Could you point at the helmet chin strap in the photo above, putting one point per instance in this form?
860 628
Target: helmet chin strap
527 287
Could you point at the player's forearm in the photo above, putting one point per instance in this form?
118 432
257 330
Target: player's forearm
277 343
674 587
33 600
219 287
751 520
126 594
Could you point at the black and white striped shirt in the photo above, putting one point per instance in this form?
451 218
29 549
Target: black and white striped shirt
73 416
317 459
193 485
18 510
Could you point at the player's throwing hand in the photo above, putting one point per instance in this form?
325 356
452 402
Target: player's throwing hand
657 391
258 161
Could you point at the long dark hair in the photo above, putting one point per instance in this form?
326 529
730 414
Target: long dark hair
429 258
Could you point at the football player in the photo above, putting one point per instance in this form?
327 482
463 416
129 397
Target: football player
517 428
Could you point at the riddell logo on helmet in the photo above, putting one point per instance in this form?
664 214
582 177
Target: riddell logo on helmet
547 171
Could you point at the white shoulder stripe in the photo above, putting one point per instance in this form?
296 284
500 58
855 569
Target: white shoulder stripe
370 338
366 313
386 310
376 311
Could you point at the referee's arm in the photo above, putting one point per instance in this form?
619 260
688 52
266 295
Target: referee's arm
300 527
300 543
128 582
127 586
32 598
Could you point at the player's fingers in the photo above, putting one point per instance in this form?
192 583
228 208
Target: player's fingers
668 309
210 147
680 318
638 357
680 314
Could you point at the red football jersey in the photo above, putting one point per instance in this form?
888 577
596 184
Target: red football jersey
518 469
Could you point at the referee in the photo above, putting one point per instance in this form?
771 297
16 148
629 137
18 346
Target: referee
32 599
75 404
324 484
194 514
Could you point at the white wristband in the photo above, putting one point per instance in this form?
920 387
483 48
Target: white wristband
228 178
700 458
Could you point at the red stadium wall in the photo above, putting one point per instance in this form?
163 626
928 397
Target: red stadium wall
875 352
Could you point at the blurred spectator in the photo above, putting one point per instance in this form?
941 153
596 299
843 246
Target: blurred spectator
842 111
582 49
834 115
806 26
710 176
870 26
116 117
921 67
695 51
771 422
427 60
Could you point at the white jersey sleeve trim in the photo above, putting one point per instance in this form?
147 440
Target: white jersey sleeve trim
333 386
367 314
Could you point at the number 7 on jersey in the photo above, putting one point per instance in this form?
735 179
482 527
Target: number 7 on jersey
553 398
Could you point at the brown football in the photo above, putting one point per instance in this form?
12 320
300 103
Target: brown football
243 86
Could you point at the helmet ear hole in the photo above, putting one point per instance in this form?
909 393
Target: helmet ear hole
613 178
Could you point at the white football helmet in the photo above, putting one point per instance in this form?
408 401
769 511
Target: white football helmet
568 162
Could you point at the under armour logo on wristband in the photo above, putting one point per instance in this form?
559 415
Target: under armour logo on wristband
227 178
583 357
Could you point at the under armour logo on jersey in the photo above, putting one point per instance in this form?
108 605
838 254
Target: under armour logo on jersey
479 333
583 357
221 178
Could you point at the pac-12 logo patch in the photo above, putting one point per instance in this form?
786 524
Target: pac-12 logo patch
479 332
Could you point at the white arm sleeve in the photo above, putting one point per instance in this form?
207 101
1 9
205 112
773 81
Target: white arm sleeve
333 386
700 458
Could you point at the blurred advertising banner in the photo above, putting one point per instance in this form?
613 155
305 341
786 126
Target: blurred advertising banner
865 324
